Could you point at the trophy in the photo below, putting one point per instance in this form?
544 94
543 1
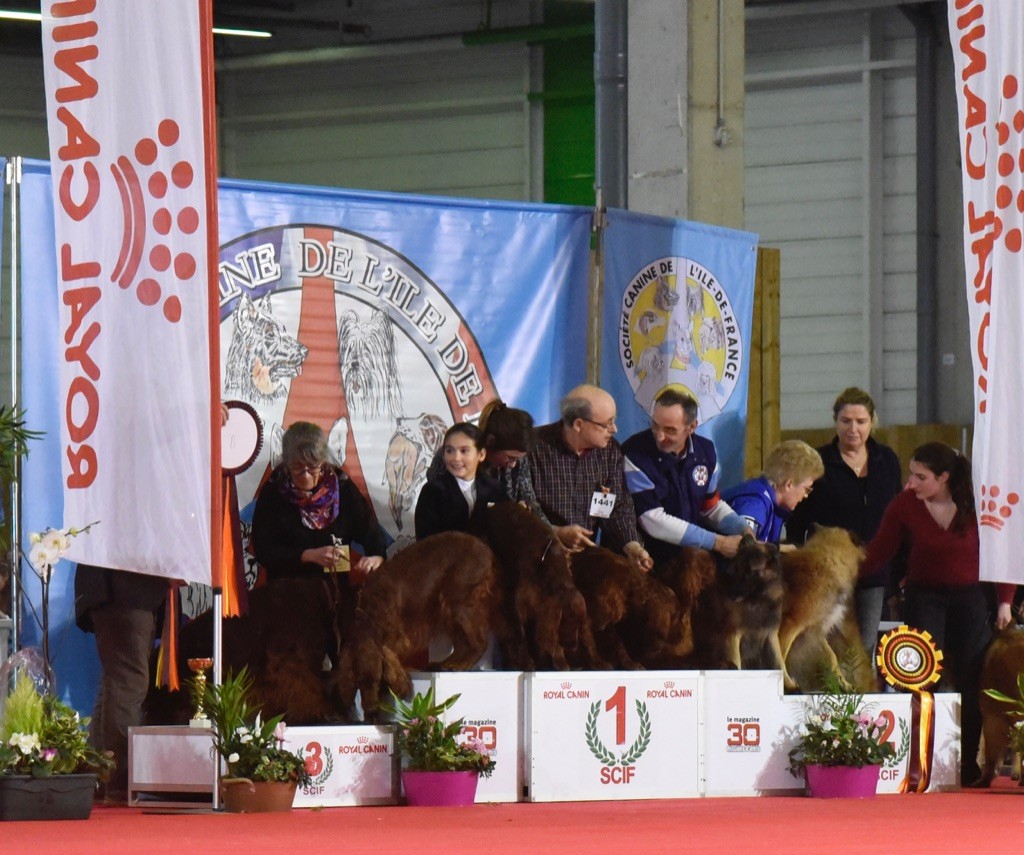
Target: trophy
198 667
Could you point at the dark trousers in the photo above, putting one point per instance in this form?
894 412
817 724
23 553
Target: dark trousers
959 623
124 641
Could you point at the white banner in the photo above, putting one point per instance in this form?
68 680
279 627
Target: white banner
132 191
988 51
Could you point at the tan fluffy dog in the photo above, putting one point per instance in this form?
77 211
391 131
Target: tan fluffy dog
819 581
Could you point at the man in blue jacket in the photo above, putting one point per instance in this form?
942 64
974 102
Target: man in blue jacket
672 475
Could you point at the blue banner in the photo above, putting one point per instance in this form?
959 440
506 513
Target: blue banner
383 318
678 305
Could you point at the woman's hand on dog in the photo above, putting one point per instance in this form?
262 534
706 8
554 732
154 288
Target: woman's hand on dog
369 563
1004 615
324 556
574 537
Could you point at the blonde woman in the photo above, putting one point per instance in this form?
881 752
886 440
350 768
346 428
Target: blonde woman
766 502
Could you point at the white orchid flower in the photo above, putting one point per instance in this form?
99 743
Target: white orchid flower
233 757
57 540
42 559
34 537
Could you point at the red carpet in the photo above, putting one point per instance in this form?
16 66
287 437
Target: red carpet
986 821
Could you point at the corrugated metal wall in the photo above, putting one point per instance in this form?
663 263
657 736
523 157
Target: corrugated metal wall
830 180
452 121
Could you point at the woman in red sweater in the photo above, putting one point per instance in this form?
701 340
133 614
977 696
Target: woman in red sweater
935 517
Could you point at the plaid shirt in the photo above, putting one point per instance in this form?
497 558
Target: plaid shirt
565 482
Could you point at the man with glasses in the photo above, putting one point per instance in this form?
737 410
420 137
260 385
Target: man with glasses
577 471
673 475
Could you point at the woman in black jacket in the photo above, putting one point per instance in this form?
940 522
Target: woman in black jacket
861 477
309 509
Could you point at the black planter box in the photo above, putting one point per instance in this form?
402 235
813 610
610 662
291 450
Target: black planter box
23 797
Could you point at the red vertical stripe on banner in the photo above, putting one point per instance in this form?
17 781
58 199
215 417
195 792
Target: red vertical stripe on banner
317 394
212 234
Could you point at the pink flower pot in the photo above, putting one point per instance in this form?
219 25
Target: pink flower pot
837 782
439 788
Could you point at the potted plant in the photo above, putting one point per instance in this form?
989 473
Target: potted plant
48 769
262 775
840 749
441 769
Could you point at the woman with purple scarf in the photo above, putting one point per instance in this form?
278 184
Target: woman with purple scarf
308 512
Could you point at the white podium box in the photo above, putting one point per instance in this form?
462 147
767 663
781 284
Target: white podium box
490 703
174 759
744 717
349 765
597 736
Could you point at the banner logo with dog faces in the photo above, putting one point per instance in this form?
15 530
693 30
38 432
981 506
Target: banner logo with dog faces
329 326
678 330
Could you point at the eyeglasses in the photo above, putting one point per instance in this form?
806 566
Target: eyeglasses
299 471
610 426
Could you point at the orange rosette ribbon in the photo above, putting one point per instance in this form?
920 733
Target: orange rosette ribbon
909 660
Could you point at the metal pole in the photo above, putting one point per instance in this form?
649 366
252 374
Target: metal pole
596 293
13 179
217 677
610 73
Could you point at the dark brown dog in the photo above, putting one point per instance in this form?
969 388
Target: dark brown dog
745 600
1004 662
688 574
290 626
544 614
637 621
443 585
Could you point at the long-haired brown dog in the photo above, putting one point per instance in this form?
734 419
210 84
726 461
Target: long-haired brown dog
632 615
744 601
443 585
1004 663
819 581
290 625
543 614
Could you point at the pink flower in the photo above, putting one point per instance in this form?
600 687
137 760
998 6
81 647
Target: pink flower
279 731
48 754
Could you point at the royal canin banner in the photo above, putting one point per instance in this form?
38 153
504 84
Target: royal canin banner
128 84
988 52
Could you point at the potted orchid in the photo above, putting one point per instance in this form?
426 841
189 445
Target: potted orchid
262 774
441 768
840 747
47 548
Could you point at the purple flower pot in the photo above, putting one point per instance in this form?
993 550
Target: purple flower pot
439 788
837 782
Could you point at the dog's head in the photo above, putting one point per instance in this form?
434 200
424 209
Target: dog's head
369 370
754 572
263 354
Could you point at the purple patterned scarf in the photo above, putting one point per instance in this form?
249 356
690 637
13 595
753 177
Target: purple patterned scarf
318 508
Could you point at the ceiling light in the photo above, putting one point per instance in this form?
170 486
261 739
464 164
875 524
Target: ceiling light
11 15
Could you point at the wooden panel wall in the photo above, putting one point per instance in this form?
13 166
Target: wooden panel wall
764 387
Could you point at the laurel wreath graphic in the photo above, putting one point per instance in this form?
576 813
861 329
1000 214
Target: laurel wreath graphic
901 752
328 768
629 756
